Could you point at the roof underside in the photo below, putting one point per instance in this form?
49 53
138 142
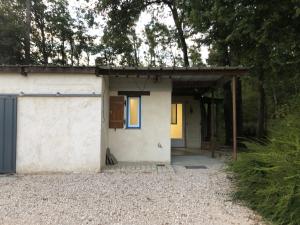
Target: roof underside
186 80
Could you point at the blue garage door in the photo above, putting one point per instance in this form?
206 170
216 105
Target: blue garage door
8 125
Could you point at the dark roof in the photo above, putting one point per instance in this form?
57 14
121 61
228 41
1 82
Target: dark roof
26 69
173 71
126 71
185 80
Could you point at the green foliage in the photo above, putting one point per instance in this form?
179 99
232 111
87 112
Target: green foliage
195 56
121 17
119 42
161 41
56 37
261 35
11 32
268 175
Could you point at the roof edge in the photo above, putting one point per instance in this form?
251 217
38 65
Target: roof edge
25 69
106 70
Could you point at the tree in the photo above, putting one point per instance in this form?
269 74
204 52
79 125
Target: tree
130 11
40 28
195 56
28 32
215 19
178 9
58 37
11 32
161 42
270 34
255 34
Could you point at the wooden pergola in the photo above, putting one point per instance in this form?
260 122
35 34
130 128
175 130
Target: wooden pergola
186 80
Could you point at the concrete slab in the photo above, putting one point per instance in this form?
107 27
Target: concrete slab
139 167
196 160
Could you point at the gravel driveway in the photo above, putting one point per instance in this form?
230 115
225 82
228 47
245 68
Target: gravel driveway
135 196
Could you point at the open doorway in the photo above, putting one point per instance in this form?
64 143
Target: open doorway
185 126
177 125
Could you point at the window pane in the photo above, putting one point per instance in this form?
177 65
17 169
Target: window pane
133 119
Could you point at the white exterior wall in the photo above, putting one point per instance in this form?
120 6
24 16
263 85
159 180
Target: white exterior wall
56 134
192 119
50 84
152 141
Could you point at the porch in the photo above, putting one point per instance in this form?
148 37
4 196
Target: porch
197 114
173 108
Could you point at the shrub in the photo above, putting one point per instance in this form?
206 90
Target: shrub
268 175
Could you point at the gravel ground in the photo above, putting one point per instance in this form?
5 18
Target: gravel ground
170 196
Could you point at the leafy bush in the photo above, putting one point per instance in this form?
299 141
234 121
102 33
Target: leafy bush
268 175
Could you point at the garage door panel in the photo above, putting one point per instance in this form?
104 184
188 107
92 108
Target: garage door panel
7 134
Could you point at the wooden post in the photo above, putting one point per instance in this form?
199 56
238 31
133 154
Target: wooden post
208 119
234 119
212 126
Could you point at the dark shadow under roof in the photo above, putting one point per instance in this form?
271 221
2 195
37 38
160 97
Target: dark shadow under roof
125 71
183 78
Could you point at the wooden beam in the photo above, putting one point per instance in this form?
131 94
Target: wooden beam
207 99
193 84
134 93
189 91
234 119
220 82
209 122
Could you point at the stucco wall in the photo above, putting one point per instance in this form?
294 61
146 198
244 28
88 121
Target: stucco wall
104 120
56 134
152 141
192 119
50 83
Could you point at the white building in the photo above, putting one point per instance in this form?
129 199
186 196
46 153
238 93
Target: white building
63 119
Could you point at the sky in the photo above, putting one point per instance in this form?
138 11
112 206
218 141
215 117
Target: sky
144 19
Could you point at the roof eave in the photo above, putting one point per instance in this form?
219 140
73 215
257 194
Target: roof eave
126 71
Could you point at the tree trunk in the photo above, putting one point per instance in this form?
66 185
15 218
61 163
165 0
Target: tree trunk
227 104
27 33
44 51
106 59
209 121
78 60
63 54
180 33
239 108
88 59
52 46
261 117
72 52
40 24
203 120
275 101
136 57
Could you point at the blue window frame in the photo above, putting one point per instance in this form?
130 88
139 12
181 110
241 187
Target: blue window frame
133 112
